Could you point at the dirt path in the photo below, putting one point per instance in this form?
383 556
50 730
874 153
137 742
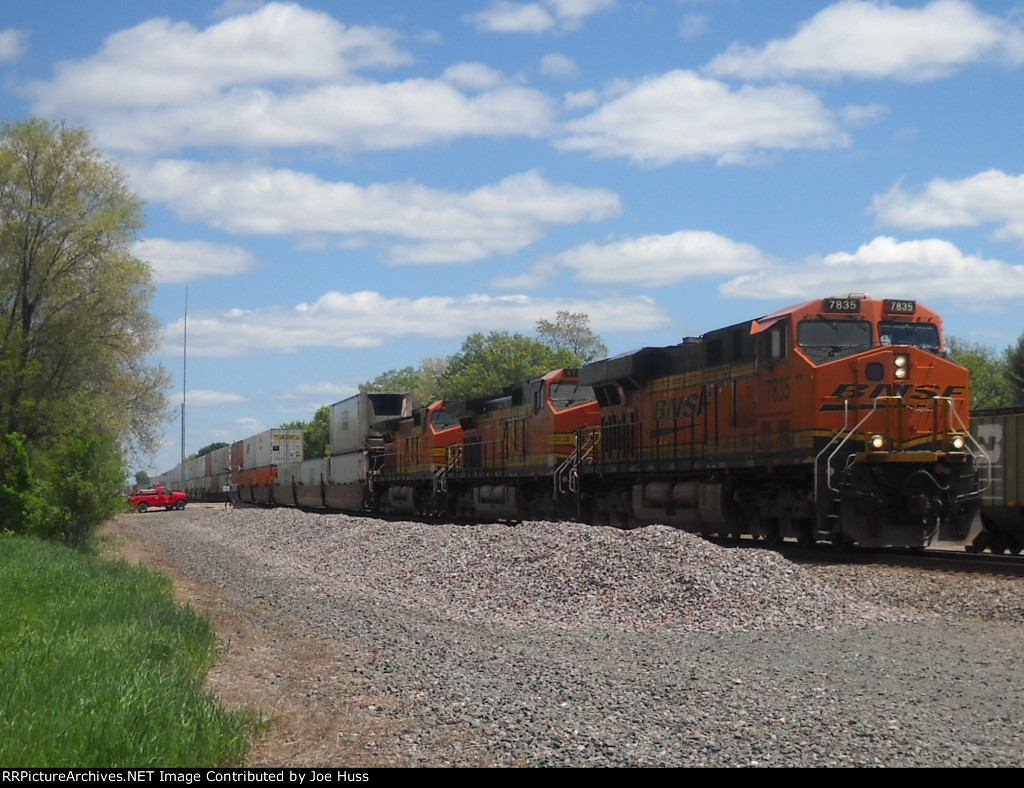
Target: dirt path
269 667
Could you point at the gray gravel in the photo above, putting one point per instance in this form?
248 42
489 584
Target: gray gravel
554 644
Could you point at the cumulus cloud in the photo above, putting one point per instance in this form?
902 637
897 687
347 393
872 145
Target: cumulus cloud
927 269
369 319
419 224
13 44
991 197
655 260
176 262
507 17
681 116
869 39
281 76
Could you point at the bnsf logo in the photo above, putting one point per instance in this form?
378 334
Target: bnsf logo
925 391
677 407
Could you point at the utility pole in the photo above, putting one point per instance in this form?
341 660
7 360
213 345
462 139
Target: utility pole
184 375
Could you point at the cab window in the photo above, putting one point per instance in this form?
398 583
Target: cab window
902 332
825 340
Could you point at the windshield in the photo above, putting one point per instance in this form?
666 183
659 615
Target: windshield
828 339
442 419
568 395
922 335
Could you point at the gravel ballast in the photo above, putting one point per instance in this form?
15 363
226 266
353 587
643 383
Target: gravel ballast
555 644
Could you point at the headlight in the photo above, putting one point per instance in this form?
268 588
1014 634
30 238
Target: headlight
957 442
876 442
902 367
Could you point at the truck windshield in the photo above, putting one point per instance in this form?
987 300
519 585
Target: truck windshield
823 340
902 332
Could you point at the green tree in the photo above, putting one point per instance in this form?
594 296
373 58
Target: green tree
487 364
991 384
141 479
404 379
1014 361
423 381
316 434
571 331
75 326
207 449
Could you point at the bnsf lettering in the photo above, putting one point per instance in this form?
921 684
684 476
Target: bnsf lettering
925 391
678 407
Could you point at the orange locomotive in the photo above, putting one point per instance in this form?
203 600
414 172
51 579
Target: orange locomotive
501 457
841 419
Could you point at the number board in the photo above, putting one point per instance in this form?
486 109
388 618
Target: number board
900 307
842 304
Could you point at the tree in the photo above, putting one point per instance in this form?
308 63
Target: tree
75 326
404 379
423 381
1014 360
141 479
316 434
990 383
571 331
487 364
209 448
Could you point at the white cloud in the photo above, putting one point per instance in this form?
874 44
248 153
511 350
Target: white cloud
991 197
200 398
927 269
874 40
558 65
177 262
503 17
860 115
681 116
161 62
419 223
507 17
655 260
282 76
693 26
368 319
13 44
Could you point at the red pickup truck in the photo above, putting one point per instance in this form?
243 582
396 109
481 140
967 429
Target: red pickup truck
142 500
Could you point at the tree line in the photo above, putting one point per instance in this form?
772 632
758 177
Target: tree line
997 377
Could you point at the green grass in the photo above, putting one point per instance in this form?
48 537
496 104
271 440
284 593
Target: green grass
100 668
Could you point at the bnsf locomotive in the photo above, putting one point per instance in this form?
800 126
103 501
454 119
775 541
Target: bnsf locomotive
839 420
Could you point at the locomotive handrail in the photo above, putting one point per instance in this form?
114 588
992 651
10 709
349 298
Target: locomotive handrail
981 450
452 459
568 469
851 432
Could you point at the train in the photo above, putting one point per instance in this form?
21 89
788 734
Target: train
1000 431
840 420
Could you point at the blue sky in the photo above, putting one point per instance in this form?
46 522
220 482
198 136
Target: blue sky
349 187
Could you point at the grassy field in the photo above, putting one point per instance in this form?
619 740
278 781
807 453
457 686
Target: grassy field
100 668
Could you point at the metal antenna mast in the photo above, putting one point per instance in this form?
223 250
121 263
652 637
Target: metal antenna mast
184 376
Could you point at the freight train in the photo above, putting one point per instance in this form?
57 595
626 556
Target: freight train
840 420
